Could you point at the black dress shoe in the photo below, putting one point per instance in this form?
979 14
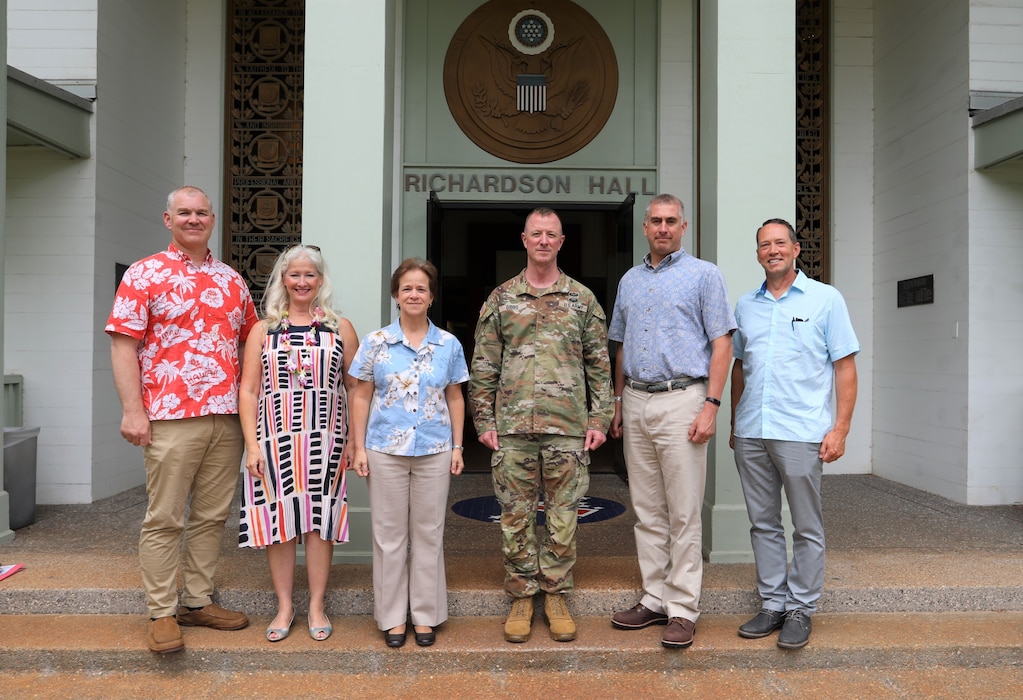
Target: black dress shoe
763 624
425 639
395 640
796 631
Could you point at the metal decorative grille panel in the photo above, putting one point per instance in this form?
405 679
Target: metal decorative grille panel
263 211
813 168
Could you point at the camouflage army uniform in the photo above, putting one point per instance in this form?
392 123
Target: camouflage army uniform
541 378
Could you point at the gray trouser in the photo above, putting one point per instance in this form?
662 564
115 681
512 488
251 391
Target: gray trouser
765 466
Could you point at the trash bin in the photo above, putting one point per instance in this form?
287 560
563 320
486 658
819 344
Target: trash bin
20 474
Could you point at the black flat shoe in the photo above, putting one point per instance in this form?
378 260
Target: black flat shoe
425 639
395 640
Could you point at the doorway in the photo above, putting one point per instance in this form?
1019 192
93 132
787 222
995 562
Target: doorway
478 245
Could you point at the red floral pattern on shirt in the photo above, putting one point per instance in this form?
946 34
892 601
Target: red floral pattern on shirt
189 321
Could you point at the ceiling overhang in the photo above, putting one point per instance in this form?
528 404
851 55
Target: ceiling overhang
41 114
998 134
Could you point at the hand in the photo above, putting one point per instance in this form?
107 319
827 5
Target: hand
254 462
457 462
616 422
731 439
361 462
489 439
833 446
135 428
346 456
702 429
594 439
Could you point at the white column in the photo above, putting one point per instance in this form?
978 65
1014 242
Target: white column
6 533
746 174
348 175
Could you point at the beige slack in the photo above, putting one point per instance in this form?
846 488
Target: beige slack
193 461
408 502
667 476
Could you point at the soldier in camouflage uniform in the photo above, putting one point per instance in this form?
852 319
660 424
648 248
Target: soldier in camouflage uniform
541 398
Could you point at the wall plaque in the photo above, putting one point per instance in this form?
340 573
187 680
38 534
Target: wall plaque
530 82
917 290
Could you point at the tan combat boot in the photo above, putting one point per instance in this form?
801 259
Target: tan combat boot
520 620
555 611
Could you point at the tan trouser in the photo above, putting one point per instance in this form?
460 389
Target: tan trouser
667 476
408 503
196 460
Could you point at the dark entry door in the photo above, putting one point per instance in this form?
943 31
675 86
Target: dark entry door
477 245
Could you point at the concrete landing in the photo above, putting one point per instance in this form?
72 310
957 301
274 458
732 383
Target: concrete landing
923 598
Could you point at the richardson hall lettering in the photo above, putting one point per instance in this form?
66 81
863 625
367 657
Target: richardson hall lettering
483 183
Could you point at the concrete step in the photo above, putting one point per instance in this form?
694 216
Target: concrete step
873 655
877 684
68 644
867 581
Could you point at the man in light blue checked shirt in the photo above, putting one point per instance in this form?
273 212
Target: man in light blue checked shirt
795 341
674 322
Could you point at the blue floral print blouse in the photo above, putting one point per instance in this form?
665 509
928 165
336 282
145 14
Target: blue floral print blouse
409 413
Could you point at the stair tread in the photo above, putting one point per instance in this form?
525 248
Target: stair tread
710 684
834 631
247 570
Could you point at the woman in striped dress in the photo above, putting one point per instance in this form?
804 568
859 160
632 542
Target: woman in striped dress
293 408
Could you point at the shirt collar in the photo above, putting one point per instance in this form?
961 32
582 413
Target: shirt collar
668 259
799 284
397 337
185 257
521 286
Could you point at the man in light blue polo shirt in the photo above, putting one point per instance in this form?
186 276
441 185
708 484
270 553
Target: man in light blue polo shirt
794 343
674 322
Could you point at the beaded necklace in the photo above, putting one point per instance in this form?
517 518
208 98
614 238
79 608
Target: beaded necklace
300 363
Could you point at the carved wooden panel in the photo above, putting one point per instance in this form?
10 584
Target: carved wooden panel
530 82
262 214
813 167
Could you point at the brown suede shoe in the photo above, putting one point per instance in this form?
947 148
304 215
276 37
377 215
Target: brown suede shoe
214 617
520 620
679 633
164 636
555 611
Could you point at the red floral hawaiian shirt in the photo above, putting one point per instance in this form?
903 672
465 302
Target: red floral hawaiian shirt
189 322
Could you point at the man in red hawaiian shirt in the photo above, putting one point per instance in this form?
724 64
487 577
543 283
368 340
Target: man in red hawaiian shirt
177 323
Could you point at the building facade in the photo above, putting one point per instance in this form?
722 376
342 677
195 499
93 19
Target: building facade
430 127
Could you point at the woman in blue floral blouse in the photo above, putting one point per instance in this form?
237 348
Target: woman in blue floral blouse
408 447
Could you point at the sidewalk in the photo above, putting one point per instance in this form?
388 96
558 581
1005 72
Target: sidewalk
890 548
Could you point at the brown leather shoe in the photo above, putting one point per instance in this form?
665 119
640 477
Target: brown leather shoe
679 633
164 636
214 617
638 618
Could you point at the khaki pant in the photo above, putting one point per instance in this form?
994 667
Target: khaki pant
526 467
667 476
194 460
408 503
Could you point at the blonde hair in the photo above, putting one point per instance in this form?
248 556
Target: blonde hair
275 300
